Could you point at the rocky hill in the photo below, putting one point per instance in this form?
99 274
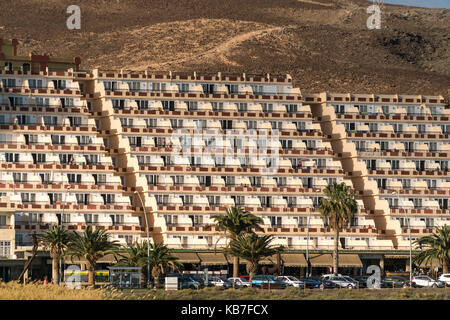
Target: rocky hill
324 45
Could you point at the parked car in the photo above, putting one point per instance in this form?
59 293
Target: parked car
185 281
239 282
199 278
362 281
220 282
245 278
258 280
445 278
351 280
426 281
290 281
340 281
310 283
394 282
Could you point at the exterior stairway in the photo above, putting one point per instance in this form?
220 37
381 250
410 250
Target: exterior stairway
119 147
356 170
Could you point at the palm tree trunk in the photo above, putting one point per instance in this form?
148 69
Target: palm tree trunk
336 251
235 267
91 275
55 270
444 267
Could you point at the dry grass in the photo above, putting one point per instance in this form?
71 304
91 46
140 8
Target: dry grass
36 291
295 294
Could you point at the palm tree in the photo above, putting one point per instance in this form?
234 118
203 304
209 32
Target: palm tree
252 248
435 246
56 241
160 259
91 245
36 242
236 222
338 207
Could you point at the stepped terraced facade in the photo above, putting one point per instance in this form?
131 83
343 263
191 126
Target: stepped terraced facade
76 146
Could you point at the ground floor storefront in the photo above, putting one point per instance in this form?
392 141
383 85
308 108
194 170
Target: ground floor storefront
296 263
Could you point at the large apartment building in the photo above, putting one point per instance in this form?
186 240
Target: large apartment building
81 148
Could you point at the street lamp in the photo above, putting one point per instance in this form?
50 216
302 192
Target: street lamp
148 239
307 244
408 225
60 224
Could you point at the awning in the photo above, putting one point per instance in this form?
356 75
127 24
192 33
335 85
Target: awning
109 258
431 263
321 260
212 259
349 260
293 260
269 260
186 257
396 256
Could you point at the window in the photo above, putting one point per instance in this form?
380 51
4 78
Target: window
91 218
9 83
82 198
257 89
218 106
35 84
135 141
66 218
232 88
99 178
196 220
117 219
168 105
67 102
2 220
159 87
57 140
92 159
109 198
31 139
151 123
110 85
5 248
46 178
192 105
38 157
65 158
292 108
12 157
134 86
275 221
142 104
267 107
59 84
183 87
171 219
242 106
213 200
118 104
75 121
42 102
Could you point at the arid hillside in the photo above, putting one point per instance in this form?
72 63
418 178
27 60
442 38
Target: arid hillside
323 44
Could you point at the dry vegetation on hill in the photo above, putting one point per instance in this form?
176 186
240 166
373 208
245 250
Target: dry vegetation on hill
323 44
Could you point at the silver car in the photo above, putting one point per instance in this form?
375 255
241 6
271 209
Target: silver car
341 281
426 281
239 282
445 278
